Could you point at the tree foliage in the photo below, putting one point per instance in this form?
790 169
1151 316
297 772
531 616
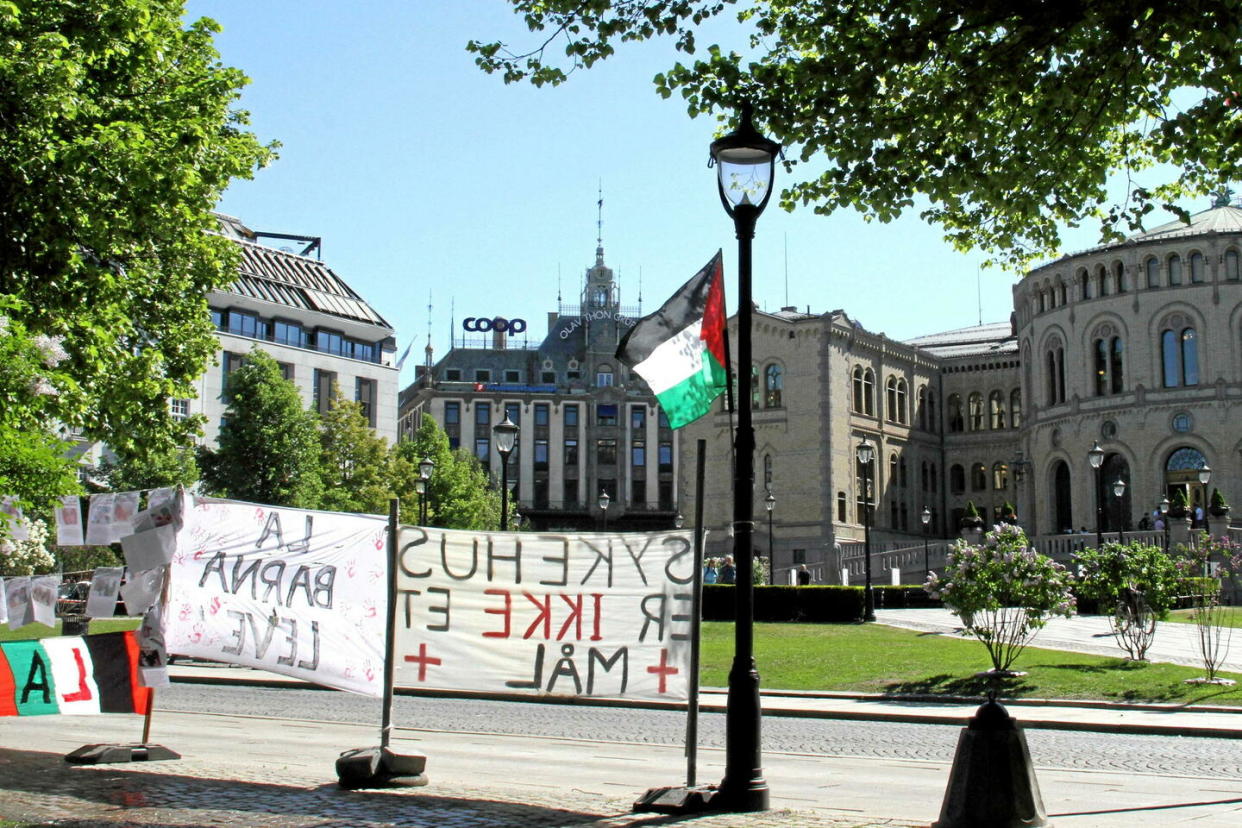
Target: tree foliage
459 496
120 134
1009 117
355 464
268 450
1135 584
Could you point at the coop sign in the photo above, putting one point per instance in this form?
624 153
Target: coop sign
482 324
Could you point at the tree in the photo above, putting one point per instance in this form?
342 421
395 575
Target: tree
27 557
1003 590
154 469
355 464
1136 584
268 448
120 134
1008 117
459 495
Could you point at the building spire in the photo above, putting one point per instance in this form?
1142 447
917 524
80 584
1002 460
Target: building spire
599 226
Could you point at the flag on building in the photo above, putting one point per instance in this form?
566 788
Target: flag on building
680 349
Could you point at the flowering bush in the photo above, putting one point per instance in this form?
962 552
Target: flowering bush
1003 591
1137 583
27 557
1205 565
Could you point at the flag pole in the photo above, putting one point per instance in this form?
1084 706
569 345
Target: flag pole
696 621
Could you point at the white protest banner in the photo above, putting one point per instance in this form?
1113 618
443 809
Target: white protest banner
69 522
99 527
124 507
564 615
286 590
105 586
17 598
43 599
4 605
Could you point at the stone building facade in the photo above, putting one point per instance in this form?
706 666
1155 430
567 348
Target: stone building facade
1136 345
588 425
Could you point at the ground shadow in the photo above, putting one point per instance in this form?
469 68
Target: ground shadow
963 686
125 795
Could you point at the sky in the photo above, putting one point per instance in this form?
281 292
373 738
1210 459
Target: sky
433 183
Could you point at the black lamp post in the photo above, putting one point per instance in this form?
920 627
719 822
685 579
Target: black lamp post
1119 491
1164 517
1205 477
926 516
679 520
1096 457
745 164
425 467
603 502
769 503
506 433
866 456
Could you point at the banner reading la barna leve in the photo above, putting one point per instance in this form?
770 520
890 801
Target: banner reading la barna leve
604 615
290 591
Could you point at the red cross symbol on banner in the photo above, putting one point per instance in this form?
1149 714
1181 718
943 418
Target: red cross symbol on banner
422 660
663 669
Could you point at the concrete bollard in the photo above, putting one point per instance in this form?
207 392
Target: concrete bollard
992 783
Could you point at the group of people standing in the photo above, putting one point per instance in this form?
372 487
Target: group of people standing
716 571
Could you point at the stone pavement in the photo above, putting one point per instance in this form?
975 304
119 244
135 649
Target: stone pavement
267 772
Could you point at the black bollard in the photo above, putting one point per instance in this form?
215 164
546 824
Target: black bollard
992 783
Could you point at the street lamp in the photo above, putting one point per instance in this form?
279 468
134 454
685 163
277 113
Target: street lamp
745 165
506 433
866 456
420 486
926 516
679 520
604 500
425 467
769 503
1096 457
1164 518
1205 477
1119 491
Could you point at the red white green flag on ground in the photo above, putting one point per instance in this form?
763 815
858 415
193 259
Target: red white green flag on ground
73 674
680 349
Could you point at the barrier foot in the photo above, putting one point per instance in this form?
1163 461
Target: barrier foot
109 754
379 767
678 800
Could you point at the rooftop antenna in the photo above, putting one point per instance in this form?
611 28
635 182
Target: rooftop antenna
979 291
452 320
599 226
427 350
640 290
786 269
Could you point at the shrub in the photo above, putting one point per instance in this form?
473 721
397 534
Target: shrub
1003 591
1136 583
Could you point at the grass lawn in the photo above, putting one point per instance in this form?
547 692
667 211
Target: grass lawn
872 658
1230 616
98 625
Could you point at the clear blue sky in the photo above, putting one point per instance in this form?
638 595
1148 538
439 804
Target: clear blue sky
425 176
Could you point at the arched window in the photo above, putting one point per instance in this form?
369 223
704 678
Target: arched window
890 398
901 468
1179 355
922 407
1055 361
1000 476
1085 286
772 384
1101 276
841 507
857 376
954 412
1198 268
974 411
996 410
933 424
869 391
1231 266
923 476
1062 292
1153 272
1100 351
756 393
932 480
901 402
1041 302
978 477
603 376
892 515
1015 408
767 472
1175 270
1116 368
957 479
1119 274
893 474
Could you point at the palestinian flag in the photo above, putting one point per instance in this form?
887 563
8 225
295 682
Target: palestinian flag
72 674
680 349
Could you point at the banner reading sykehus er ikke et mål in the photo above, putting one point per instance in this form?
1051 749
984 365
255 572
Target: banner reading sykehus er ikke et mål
524 612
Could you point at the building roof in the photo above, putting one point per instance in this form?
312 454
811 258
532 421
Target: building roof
286 278
977 340
1223 219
